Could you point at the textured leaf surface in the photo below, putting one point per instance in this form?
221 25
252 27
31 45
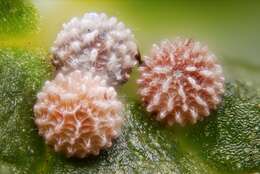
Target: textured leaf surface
229 138
17 17
21 75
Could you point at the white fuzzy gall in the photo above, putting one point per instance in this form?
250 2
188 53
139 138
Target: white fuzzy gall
181 81
97 43
78 114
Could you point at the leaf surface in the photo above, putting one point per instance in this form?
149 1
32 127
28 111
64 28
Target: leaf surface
227 140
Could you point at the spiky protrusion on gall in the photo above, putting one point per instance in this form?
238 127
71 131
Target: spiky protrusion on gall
96 43
78 114
181 81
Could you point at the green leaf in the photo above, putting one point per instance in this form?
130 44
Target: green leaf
230 138
21 76
17 17
145 146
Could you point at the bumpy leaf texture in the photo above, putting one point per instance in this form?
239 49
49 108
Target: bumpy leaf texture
230 139
21 76
145 146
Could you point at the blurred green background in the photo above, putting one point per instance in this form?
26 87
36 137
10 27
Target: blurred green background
230 28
